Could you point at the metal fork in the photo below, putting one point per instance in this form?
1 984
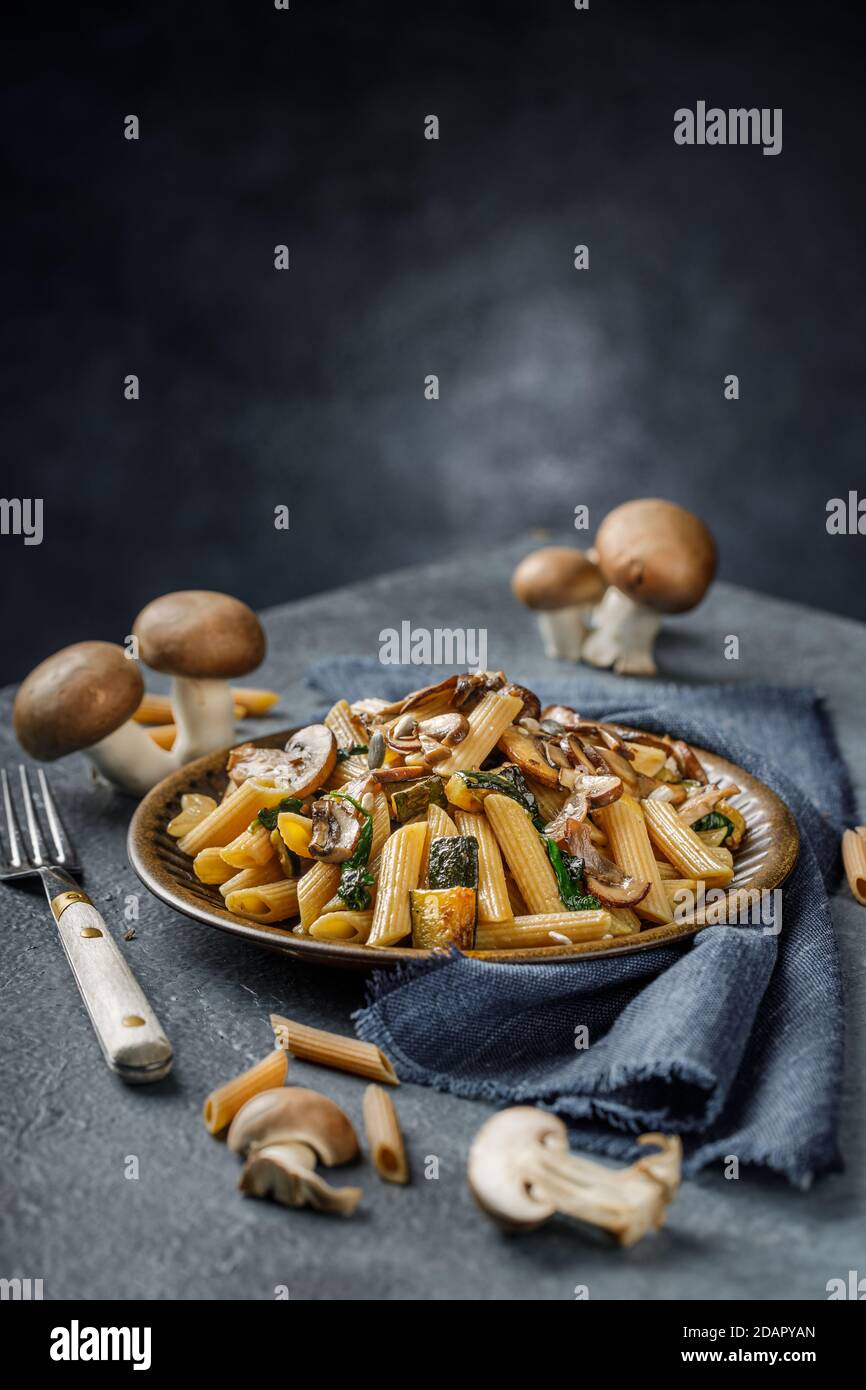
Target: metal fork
128 1030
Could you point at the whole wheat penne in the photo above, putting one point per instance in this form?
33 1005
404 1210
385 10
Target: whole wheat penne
333 1050
315 889
269 902
630 847
253 846
493 901
231 816
666 869
347 770
342 925
346 728
156 709
439 826
854 860
673 886
384 1137
271 872
515 897
682 846
400 871
624 920
535 929
296 831
223 1104
524 853
210 867
487 723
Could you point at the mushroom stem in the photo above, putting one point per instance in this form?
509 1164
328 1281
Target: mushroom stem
130 760
563 631
204 714
627 1202
623 636
282 1172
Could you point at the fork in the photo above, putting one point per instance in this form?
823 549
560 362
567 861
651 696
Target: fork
129 1033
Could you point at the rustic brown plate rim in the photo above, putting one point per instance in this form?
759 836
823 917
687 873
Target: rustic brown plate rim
203 904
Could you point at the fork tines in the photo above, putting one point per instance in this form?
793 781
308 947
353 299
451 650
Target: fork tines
42 853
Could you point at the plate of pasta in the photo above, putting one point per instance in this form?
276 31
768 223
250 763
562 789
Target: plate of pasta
463 816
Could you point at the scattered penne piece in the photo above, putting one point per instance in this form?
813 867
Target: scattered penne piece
384 1137
854 859
163 735
223 1104
333 1050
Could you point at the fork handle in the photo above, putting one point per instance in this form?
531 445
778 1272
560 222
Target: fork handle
128 1030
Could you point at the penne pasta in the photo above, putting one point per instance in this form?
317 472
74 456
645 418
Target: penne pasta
666 869
625 920
346 728
646 759
223 1104
683 847
400 872
854 860
250 848
253 700
630 847
253 878
524 853
487 723
231 816
315 889
384 1137
210 867
333 1050
268 902
535 929
673 886
163 735
157 709
493 900
295 831
337 924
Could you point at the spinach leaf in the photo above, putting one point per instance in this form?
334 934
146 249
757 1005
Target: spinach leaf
267 816
344 753
714 821
508 782
569 879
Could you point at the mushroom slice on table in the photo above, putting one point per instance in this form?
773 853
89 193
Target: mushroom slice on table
521 1171
202 640
82 699
336 830
561 584
604 879
657 558
282 1134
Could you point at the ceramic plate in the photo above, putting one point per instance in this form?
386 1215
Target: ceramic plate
767 857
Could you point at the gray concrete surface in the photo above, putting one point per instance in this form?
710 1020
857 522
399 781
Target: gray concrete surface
69 1216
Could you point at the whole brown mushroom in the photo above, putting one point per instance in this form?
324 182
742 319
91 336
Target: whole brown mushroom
657 558
561 584
202 640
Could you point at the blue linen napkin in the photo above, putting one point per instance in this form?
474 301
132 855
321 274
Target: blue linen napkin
733 1040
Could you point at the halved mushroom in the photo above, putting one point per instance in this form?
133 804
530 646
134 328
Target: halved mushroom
606 880
82 699
246 760
336 830
282 1133
526 751
521 1171
311 756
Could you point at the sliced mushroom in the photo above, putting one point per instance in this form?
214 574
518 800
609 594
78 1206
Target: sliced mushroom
249 761
637 783
526 751
473 684
598 790
687 761
441 693
282 1133
521 1171
401 735
575 809
564 715
531 703
603 878
446 730
311 755
385 775
336 830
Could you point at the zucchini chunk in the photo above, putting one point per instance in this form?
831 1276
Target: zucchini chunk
414 798
453 862
443 917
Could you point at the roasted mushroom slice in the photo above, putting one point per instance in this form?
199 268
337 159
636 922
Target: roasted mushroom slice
311 755
443 730
575 810
531 703
401 735
471 686
439 694
526 751
598 790
249 761
563 715
336 830
604 879
687 761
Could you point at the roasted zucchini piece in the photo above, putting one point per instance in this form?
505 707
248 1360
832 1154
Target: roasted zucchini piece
453 862
738 821
414 798
443 917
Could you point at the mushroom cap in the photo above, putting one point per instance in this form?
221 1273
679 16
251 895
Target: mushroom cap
294 1115
657 553
557 576
502 1162
200 634
75 698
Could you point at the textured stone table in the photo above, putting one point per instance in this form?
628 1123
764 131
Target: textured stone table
71 1217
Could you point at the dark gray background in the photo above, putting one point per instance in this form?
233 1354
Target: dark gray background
411 257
